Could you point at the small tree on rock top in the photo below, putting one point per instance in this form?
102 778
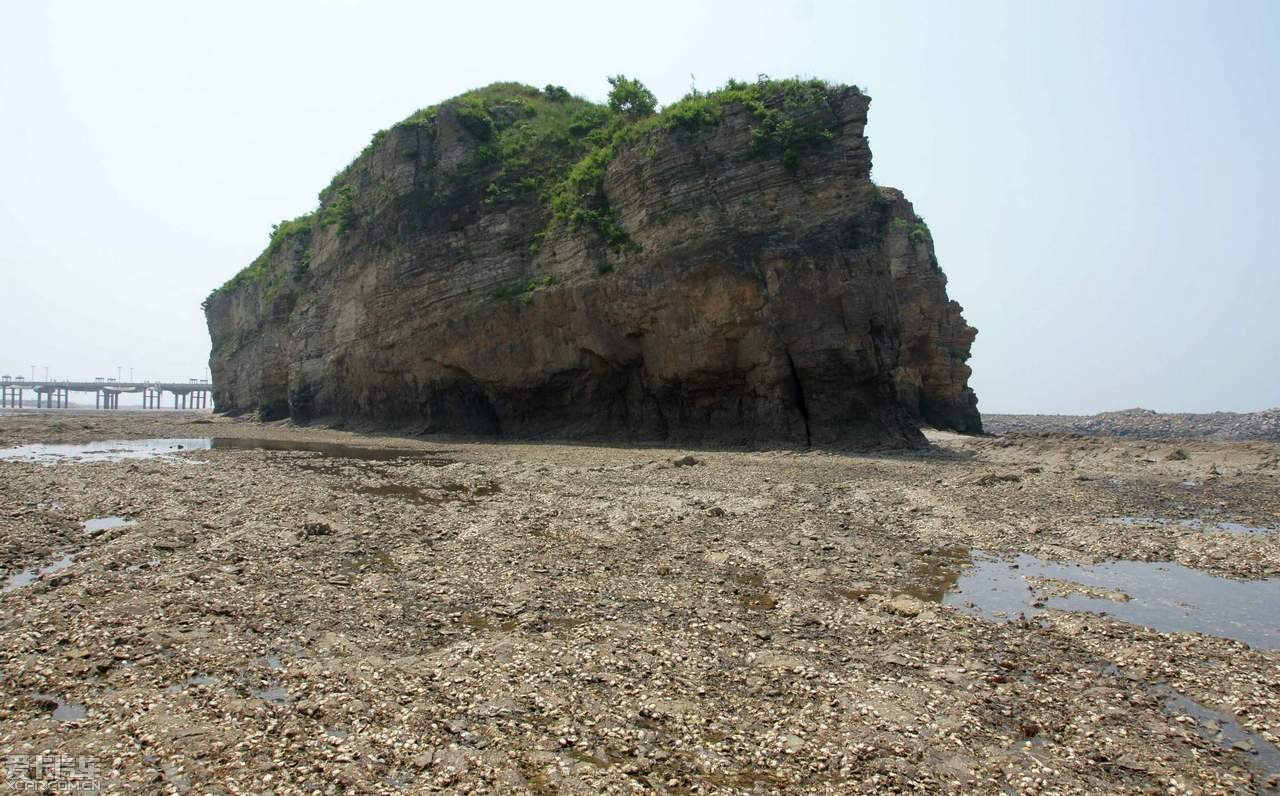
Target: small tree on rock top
630 97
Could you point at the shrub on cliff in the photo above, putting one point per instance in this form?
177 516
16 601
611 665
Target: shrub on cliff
549 146
630 97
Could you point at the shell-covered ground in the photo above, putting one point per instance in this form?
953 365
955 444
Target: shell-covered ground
410 615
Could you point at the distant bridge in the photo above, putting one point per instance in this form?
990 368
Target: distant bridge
51 394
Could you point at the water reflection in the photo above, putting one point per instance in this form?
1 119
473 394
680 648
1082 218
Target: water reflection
28 576
122 450
1164 596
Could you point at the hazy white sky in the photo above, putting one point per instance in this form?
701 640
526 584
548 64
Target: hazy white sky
1099 177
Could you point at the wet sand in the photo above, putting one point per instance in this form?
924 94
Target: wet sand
331 612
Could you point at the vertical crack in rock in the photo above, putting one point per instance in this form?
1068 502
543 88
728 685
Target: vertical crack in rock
800 402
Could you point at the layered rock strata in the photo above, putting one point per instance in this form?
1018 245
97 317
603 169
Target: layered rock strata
517 262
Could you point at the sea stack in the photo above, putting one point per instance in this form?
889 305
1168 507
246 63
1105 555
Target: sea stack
525 263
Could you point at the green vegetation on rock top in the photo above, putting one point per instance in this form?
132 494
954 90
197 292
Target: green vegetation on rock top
550 146
256 271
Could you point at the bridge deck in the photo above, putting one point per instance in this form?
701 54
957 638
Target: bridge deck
114 386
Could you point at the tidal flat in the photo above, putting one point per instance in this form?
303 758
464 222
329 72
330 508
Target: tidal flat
270 608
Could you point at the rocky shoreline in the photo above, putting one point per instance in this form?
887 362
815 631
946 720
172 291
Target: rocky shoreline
277 609
1240 426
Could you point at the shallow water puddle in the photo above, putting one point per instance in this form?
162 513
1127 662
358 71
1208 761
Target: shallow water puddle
336 450
121 450
480 622
62 710
359 562
429 495
412 494
1164 596
276 694
28 576
936 575
1222 729
97 525
101 451
194 680
1194 524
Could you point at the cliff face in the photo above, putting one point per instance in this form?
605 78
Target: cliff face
520 262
